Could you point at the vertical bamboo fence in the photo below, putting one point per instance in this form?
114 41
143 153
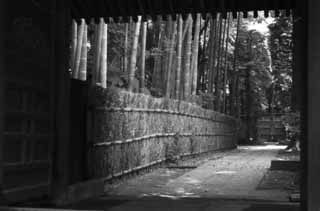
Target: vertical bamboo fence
135 131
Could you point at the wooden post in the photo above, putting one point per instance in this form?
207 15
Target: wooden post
62 23
310 113
2 87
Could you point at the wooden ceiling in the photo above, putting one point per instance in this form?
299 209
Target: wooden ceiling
121 10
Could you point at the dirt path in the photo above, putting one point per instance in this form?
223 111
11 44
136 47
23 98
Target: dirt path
236 174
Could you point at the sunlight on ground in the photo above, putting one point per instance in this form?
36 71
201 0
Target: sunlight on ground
224 172
264 147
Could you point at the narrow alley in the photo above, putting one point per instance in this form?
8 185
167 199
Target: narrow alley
235 176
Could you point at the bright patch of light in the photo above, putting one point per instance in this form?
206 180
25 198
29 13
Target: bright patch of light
225 172
261 27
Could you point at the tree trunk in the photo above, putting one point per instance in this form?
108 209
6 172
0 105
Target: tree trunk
179 56
125 53
187 57
195 52
225 68
75 71
143 55
103 58
83 61
171 51
133 59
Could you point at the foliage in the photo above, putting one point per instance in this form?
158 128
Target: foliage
280 42
291 122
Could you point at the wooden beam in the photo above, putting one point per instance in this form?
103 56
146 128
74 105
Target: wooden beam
2 90
62 23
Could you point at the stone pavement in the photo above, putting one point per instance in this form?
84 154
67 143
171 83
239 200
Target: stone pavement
235 175
225 182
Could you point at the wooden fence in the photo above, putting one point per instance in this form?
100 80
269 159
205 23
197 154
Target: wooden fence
136 131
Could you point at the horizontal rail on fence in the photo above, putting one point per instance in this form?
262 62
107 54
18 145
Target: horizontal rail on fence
156 135
165 111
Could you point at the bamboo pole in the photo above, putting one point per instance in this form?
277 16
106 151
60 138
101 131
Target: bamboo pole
143 55
234 96
217 79
83 61
73 44
171 50
133 58
212 52
187 57
125 56
225 68
97 51
103 56
159 135
157 60
75 71
179 53
195 52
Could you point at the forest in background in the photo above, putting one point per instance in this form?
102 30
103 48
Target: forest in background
215 61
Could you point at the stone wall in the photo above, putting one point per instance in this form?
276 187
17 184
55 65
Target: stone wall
136 131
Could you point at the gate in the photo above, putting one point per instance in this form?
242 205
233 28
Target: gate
270 128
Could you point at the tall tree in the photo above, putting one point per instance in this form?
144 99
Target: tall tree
133 58
281 49
195 53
